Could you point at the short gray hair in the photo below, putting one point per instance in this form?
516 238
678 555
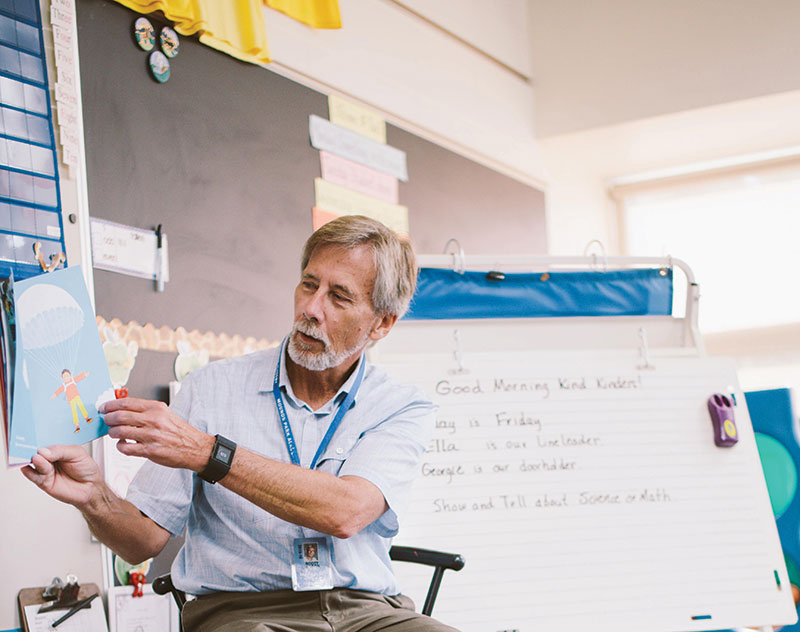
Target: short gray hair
395 263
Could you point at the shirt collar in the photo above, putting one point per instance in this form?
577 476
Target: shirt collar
286 386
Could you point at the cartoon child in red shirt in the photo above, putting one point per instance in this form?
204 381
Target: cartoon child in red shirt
70 390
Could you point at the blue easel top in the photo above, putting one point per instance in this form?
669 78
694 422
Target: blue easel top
447 294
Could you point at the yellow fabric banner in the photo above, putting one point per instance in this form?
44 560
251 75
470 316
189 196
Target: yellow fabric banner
235 27
321 14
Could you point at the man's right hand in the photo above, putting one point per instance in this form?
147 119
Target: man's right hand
69 474
66 472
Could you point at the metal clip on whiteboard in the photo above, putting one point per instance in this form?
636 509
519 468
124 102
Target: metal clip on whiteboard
458 257
602 248
644 351
458 355
664 271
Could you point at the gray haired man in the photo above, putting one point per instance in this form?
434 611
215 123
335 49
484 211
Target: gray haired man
266 457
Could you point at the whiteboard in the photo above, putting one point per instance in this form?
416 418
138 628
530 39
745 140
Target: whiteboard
587 493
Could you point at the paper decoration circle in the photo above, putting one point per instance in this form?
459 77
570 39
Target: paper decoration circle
159 66
169 42
145 33
780 472
123 568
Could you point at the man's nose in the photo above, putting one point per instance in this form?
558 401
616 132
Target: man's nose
313 307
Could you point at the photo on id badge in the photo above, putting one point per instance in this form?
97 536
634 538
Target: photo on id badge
311 564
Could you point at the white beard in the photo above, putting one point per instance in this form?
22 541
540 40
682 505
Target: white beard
326 359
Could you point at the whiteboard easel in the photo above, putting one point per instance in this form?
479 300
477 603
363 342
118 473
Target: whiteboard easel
583 486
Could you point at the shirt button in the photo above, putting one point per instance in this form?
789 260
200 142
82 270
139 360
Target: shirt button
339 450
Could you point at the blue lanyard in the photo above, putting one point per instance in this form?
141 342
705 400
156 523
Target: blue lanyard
287 429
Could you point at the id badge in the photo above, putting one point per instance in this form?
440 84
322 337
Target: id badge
311 564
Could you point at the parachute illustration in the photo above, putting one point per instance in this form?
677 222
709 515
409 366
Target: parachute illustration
59 364
50 323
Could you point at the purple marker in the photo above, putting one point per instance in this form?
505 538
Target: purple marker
721 410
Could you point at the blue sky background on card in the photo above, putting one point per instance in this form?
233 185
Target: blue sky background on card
58 331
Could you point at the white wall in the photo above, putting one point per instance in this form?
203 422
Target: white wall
42 539
422 78
499 28
581 165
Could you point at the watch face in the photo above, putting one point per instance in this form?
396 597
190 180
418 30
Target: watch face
223 454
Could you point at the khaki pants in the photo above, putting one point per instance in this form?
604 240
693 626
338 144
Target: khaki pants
337 610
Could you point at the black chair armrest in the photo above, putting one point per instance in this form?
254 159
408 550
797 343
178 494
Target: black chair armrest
439 560
451 561
163 586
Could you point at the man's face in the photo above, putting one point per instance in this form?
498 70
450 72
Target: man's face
333 314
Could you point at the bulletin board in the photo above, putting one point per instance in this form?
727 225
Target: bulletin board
220 156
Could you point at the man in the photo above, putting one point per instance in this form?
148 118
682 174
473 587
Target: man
308 444
70 390
310 552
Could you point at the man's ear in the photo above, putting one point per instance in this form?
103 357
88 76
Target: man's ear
383 325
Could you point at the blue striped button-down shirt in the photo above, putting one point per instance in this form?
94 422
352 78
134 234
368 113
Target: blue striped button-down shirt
232 544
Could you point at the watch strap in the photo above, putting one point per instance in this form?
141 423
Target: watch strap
219 463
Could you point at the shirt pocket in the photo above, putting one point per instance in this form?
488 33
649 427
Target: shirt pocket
331 462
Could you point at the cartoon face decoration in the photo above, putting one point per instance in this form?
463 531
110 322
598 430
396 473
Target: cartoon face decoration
189 359
120 357
159 66
145 34
169 42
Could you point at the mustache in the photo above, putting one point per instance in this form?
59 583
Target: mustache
305 326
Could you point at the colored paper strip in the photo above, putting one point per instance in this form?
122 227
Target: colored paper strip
354 176
320 217
343 142
342 201
357 118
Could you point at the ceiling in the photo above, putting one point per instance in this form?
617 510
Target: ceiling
600 62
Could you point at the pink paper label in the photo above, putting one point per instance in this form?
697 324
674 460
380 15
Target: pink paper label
359 178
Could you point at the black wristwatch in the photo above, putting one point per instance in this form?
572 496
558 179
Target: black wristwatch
220 462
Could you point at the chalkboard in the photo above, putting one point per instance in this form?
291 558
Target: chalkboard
220 156
584 491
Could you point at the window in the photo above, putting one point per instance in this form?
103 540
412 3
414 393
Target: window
738 232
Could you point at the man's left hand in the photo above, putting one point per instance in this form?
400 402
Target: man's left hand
157 433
